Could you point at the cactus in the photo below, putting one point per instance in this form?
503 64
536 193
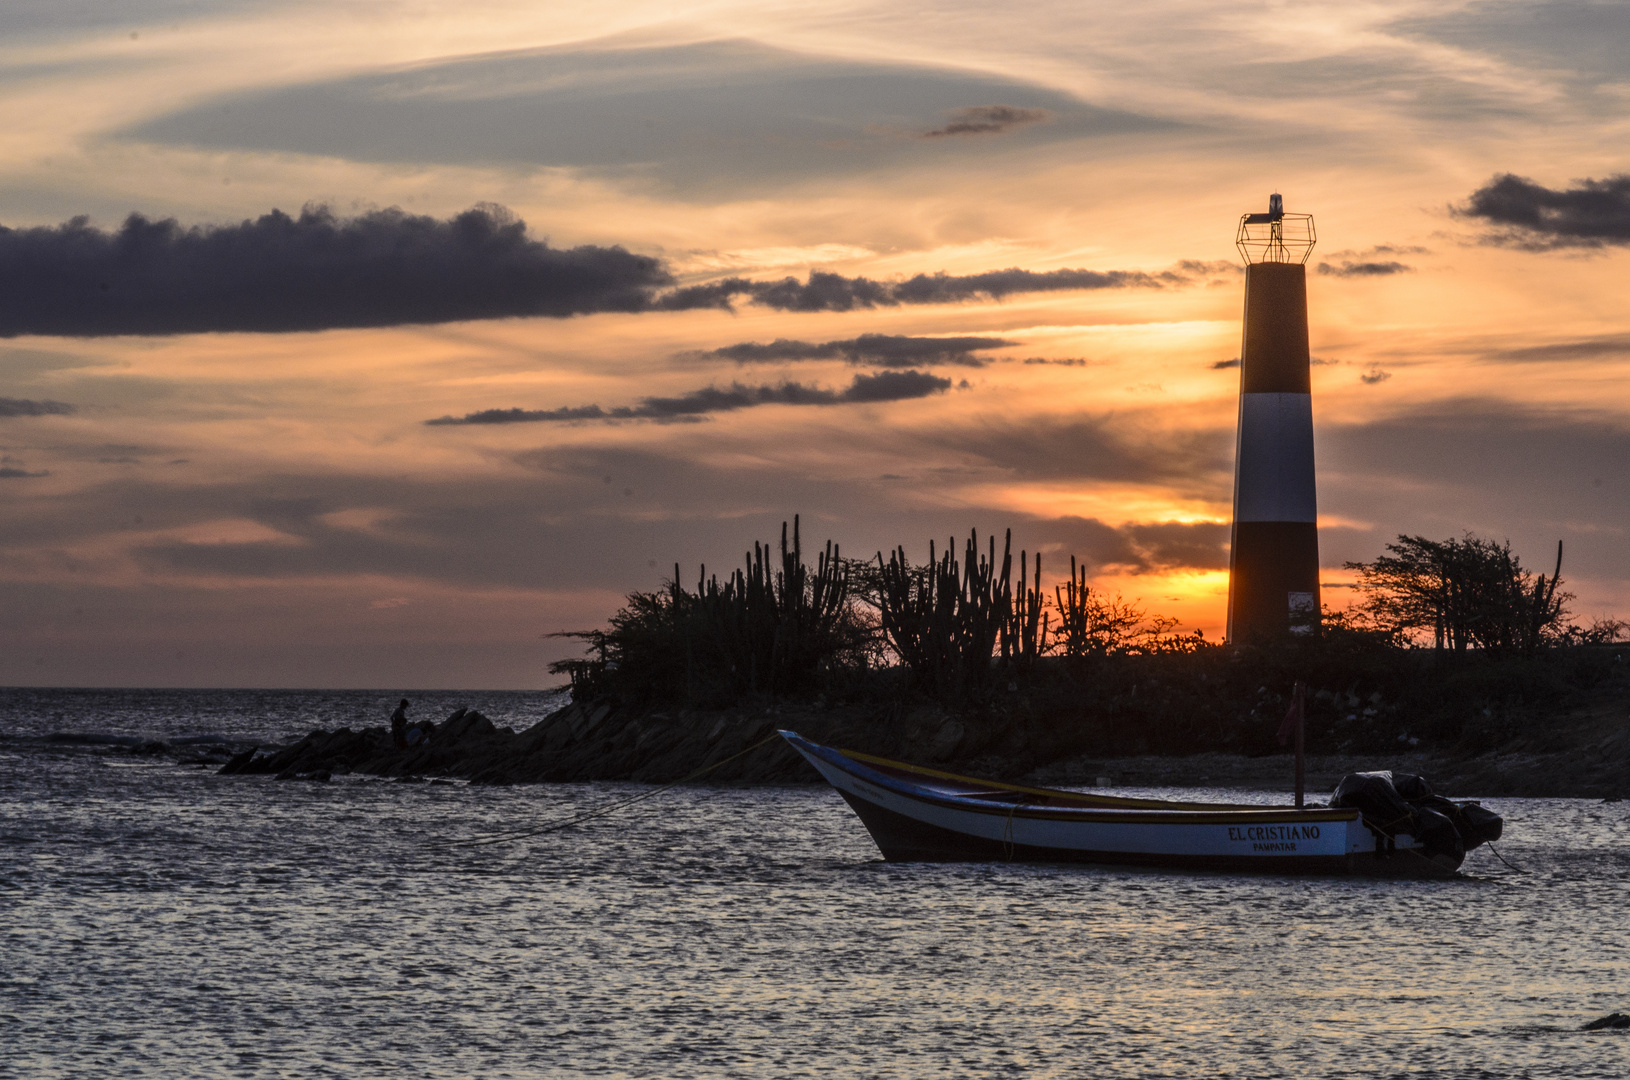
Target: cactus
1024 634
767 629
944 618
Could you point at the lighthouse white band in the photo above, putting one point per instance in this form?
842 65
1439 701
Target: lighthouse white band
1273 472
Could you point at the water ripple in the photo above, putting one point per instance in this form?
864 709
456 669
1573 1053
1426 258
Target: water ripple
167 922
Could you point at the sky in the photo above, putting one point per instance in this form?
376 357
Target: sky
370 344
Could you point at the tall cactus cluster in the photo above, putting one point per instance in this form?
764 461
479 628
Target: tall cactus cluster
775 625
779 627
945 620
769 628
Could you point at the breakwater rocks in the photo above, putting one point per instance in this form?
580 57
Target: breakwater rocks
597 741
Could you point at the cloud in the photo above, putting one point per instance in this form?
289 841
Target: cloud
987 120
1114 447
1534 474
1374 375
527 416
1364 269
942 288
1582 349
1592 213
1133 547
319 271
882 386
824 291
387 267
1202 545
709 120
1370 253
24 407
1064 361
889 350
1575 44
895 386
314 272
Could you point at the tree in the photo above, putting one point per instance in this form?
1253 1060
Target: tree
1093 624
1467 593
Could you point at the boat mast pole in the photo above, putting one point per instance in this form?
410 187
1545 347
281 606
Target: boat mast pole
1301 725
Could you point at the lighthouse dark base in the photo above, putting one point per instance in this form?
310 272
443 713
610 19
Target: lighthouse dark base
1273 582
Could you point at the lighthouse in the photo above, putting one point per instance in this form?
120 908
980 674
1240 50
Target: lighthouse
1273 571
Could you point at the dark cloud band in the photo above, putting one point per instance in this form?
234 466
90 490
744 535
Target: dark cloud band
313 272
888 350
882 386
319 271
987 120
1593 213
823 291
25 407
1364 269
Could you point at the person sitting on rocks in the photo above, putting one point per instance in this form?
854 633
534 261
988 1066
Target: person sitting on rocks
419 733
399 725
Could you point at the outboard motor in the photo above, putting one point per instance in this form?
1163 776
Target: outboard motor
1405 803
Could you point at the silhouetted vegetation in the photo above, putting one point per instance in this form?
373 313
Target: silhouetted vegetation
769 629
944 619
1469 592
1080 671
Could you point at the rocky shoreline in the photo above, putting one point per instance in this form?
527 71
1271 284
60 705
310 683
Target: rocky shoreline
598 741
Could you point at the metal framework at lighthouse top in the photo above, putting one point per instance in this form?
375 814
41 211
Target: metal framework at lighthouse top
1275 236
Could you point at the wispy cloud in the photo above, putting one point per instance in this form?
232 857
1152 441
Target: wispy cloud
824 291
881 386
1579 349
888 350
25 407
1592 213
1349 269
987 120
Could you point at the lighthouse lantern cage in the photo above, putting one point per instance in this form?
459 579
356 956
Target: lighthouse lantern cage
1275 237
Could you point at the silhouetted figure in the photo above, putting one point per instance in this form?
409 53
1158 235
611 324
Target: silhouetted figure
399 725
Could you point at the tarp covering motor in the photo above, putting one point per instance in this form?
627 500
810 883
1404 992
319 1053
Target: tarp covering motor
1406 804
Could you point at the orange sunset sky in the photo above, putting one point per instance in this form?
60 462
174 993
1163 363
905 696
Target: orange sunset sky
192 503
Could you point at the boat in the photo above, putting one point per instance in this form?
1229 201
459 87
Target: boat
917 814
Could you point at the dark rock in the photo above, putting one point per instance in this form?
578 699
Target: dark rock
465 726
1611 1020
239 763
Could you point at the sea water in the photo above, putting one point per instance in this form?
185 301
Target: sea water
159 920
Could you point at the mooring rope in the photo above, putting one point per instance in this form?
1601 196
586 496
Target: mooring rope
1007 833
600 811
1497 855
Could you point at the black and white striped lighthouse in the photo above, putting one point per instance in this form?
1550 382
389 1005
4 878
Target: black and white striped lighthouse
1273 572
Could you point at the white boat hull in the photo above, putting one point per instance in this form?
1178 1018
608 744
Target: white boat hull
917 814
